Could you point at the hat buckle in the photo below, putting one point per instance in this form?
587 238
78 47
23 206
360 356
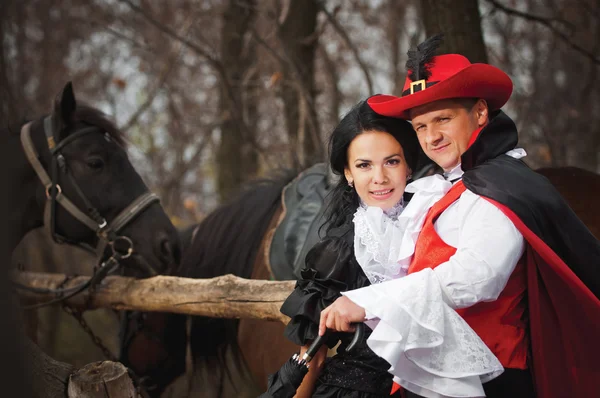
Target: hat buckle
417 86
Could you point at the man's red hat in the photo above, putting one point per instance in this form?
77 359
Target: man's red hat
431 78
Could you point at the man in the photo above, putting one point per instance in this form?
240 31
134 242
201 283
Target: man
501 249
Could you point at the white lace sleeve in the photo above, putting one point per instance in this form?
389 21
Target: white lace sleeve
433 352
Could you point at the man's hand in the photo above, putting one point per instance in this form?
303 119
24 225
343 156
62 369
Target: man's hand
339 315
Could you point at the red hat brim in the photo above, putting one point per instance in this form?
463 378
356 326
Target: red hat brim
475 81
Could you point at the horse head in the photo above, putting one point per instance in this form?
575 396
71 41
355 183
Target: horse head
92 194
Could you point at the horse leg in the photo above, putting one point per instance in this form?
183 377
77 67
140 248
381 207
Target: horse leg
264 348
262 343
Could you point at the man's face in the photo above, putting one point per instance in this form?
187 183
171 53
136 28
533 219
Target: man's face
444 128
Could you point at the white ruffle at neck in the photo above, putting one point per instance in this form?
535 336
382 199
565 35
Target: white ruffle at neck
384 242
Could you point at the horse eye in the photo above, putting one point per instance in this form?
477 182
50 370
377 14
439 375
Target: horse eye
95 164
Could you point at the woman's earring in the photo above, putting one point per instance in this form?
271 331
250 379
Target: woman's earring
408 177
351 184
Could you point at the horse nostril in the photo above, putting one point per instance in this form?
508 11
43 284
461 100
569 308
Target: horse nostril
165 250
168 251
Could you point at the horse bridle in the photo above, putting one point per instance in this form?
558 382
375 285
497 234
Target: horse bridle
121 246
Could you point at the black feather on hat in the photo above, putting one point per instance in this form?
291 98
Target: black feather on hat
419 60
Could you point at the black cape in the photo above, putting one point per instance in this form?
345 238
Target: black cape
563 262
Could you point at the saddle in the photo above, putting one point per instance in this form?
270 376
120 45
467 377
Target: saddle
298 229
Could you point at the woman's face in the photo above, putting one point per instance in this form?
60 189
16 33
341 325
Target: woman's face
377 168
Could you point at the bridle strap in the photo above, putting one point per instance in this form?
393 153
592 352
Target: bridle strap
32 156
130 212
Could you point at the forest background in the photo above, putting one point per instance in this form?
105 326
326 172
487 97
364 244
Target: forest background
213 93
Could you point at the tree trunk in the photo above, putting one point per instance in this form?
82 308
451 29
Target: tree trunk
460 22
236 155
6 102
299 41
11 101
333 76
103 379
395 32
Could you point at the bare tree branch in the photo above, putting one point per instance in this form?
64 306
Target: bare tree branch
590 9
102 25
550 23
213 61
342 32
167 68
267 47
308 100
297 75
183 167
170 32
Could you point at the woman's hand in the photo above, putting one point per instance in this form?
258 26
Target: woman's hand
339 315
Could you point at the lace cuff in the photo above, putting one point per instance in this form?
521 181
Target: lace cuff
432 351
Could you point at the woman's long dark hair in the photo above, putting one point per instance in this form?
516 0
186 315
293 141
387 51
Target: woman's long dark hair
343 199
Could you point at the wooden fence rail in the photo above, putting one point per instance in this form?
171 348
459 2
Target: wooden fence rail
225 296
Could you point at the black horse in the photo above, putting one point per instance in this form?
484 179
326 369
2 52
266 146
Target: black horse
83 157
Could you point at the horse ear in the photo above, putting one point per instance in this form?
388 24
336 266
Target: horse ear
64 108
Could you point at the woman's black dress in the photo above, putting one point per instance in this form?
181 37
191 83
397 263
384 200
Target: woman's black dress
331 268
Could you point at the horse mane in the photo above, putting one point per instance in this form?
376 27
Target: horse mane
86 114
186 235
230 235
226 242
93 116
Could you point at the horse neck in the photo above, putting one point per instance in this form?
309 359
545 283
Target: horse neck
25 206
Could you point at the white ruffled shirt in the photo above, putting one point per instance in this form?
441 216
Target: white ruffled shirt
432 351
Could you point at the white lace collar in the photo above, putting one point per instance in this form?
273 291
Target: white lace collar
392 212
384 244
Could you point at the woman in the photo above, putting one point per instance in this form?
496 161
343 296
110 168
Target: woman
369 239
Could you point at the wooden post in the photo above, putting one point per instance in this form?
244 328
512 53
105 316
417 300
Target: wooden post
103 379
225 296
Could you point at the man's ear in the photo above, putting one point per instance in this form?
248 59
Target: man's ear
482 111
63 110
